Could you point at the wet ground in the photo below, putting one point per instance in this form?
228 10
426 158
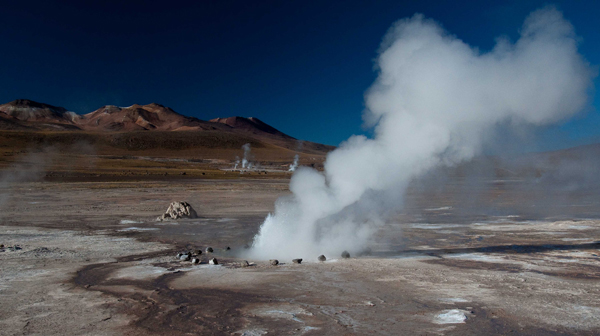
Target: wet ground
461 259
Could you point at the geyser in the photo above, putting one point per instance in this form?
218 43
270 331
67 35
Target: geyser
294 164
246 159
433 103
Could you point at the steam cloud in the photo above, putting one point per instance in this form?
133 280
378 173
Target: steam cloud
294 165
245 160
246 163
434 102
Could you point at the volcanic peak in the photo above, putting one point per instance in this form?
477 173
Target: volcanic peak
251 124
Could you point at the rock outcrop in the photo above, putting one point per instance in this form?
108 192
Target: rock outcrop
178 210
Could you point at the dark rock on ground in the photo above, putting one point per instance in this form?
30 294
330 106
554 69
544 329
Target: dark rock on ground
345 255
297 261
244 263
213 261
209 250
274 262
322 258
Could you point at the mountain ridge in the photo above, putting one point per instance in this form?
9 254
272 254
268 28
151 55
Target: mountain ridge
28 115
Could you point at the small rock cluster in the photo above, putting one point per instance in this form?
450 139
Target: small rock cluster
195 256
10 248
178 210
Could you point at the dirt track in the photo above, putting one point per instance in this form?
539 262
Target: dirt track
93 261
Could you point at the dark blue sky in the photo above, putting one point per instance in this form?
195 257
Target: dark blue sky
301 66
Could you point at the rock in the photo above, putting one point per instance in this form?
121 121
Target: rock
178 210
244 263
185 257
274 262
199 252
227 248
213 261
345 255
195 261
209 250
297 261
322 258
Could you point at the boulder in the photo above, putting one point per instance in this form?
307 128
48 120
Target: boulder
209 250
297 261
178 210
213 261
345 255
185 256
322 258
274 262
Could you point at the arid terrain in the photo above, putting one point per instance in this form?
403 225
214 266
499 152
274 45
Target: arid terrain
92 260
490 247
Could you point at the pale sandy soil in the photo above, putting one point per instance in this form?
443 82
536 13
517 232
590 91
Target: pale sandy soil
93 262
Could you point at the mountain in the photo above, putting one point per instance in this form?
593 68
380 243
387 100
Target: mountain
252 125
140 118
28 115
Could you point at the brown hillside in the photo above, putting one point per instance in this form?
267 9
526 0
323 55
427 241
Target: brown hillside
140 118
27 114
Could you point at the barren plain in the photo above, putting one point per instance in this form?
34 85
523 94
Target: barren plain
92 260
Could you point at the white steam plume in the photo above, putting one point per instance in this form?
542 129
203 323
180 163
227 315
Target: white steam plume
434 101
245 160
294 165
